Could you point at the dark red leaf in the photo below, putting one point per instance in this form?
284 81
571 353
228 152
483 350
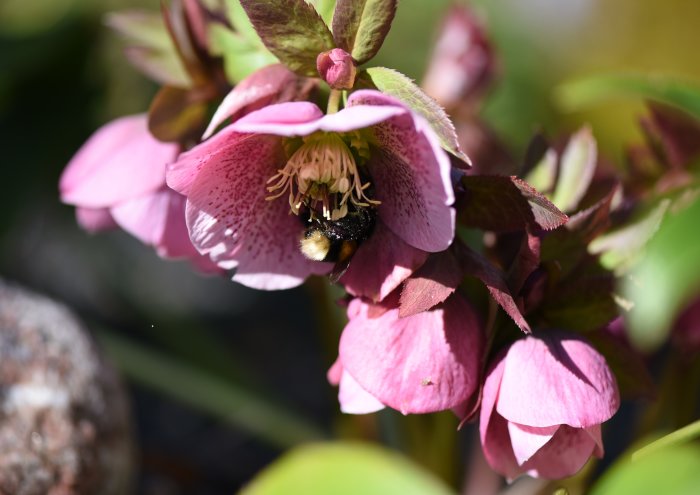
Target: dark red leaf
676 131
434 282
360 26
506 204
177 115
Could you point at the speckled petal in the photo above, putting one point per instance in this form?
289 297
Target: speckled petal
411 176
381 263
120 161
422 363
230 218
556 378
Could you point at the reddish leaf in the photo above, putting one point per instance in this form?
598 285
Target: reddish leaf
292 30
678 134
177 115
360 26
526 261
506 204
476 265
434 282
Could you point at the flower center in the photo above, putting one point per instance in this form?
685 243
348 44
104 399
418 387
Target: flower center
322 175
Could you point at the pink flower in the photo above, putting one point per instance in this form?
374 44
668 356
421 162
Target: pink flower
250 187
422 363
543 402
117 178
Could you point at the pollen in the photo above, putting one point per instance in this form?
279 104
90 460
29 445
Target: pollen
322 175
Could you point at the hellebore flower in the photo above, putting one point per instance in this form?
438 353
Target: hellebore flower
543 402
254 187
117 178
421 363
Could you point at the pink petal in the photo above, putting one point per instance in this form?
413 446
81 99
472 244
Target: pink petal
411 176
95 219
527 440
118 162
354 399
230 219
144 217
422 363
303 118
564 455
380 265
556 378
271 83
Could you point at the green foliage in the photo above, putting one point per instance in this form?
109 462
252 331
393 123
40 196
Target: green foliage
678 437
576 170
582 92
673 471
665 278
360 26
396 84
292 30
344 469
242 55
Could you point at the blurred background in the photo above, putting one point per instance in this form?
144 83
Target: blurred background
62 75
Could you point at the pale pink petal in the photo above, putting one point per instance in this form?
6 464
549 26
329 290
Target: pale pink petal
95 219
354 399
144 217
422 363
271 83
411 176
564 455
555 378
596 434
300 119
175 240
381 263
120 161
527 440
230 218
335 373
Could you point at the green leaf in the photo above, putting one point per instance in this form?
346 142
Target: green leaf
593 89
576 170
678 437
344 469
241 56
665 279
209 393
621 248
325 9
149 46
403 88
673 471
360 26
292 30
175 115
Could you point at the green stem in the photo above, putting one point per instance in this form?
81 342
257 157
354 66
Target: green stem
210 394
334 101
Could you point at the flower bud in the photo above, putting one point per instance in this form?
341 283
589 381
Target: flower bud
337 68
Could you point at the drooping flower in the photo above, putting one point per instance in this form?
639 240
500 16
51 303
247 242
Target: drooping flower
253 187
544 400
117 178
421 363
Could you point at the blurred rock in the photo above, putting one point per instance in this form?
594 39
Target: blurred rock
64 426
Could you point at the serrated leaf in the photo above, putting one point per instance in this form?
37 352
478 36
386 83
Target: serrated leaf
241 56
149 46
292 30
431 284
585 91
576 168
494 279
344 468
506 204
403 88
360 26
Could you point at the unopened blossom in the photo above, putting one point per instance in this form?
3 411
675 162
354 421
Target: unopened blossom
421 363
253 187
117 179
543 403
337 68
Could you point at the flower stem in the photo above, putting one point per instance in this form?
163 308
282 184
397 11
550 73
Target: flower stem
334 101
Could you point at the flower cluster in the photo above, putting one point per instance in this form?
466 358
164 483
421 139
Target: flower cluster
317 166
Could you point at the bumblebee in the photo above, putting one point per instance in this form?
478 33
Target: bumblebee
337 240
